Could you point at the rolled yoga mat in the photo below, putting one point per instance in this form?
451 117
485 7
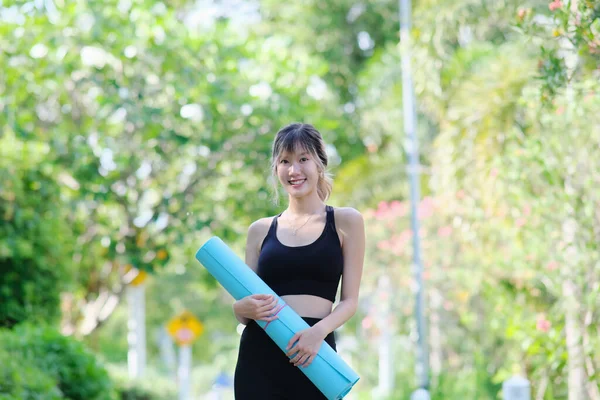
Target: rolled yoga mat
328 372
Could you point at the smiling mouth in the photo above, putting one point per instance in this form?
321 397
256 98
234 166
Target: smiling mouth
297 182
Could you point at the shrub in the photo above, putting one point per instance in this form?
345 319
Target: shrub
20 381
78 374
154 386
35 237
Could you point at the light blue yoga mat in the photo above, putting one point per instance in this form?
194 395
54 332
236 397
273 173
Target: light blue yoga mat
328 372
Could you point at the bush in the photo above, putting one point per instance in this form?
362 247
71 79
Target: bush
28 292
78 374
20 381
35 237
154 386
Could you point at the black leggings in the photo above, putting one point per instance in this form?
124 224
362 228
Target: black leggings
264 372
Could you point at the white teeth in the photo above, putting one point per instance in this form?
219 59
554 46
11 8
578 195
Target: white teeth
297 182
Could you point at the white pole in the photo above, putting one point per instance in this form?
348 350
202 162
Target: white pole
167 351
516 388
136 336
385 363
410 128
183 372
386 370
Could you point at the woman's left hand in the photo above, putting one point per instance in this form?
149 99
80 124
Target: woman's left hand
308 342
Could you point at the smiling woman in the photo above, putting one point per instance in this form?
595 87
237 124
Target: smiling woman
302 254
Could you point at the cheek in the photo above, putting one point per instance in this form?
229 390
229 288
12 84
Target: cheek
280 172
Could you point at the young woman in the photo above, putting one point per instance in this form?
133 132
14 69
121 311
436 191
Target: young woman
302 254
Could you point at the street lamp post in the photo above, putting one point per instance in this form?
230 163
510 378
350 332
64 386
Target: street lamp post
410 122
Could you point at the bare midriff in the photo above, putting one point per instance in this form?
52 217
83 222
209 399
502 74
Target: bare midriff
308 306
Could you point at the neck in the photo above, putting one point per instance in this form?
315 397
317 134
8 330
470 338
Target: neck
305 205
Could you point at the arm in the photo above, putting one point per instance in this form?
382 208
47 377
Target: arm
251 257
256 306
352 227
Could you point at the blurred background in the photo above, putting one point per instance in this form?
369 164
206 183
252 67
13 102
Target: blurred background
134 130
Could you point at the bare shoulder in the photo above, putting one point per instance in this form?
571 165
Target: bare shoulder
348 218
258 230
260 226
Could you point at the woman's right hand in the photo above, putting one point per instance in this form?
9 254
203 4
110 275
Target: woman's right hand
256 307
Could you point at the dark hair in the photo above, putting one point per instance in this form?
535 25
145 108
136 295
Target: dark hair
303 136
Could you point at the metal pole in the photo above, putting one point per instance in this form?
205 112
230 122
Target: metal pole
410 122
184 371
386 364
136 336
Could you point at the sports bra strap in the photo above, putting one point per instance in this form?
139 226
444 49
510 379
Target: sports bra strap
331 217
273 227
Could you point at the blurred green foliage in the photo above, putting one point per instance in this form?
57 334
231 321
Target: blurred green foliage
48 358
134 130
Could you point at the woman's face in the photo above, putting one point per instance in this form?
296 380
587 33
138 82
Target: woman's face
298 172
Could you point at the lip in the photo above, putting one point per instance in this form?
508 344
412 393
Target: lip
297 185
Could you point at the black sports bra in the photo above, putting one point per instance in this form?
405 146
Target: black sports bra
314 269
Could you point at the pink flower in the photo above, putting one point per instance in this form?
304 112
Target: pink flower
426 207
382 210
460 194
367 323
555 5
444 231
542 324
383 245
527 210
552 265
398 243
520 222
406 234
399 208
494 172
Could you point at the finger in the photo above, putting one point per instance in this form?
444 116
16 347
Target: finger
262 303
271 303
261 312
308 361
302 360
262 296
293 340
268 305
269 318
266 314
294 349
294 360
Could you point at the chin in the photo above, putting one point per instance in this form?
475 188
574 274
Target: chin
298 194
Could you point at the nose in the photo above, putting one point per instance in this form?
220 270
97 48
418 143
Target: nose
294 168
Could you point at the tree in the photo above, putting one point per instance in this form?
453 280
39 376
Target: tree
158 129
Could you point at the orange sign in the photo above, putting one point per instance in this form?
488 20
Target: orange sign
139 277
185 328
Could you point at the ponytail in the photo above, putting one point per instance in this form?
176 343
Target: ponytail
324 186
